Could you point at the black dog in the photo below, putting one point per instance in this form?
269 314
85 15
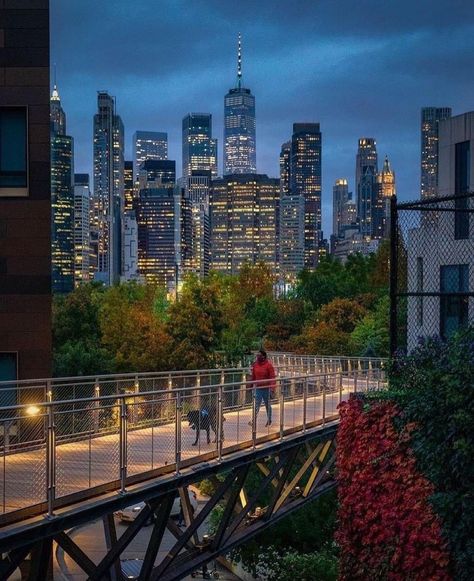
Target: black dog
205 419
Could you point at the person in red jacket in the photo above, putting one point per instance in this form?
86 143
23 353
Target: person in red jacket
263 379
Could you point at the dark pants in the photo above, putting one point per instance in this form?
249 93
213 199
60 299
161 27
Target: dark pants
263 395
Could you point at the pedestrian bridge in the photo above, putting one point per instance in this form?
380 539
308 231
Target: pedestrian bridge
74 449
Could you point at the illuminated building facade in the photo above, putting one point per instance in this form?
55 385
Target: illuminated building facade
239 127
305 180
157 173
108 198
340 198
430 119
291 248
82 242
244 221
62 200
148 145
285 165
369 206
199 148
386 190
128 190
198 189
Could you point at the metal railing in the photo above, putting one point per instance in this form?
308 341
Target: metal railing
57 451
31 391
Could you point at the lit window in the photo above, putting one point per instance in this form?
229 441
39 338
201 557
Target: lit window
13 151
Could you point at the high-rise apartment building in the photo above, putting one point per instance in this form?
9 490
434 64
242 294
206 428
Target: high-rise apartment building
369 208
291 247
108 198
244 212
305 180
148 145
62 199
25 197
82 241
239 127
430 119
199 148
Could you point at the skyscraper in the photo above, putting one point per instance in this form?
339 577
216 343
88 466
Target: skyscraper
148 145
82 242
239 127
199 148
108 199
340 197
128 186
244 221
62 199
368 209
291 247
157 172
386 190
305 180
285 163
430 118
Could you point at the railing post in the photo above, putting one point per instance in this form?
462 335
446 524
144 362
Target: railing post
324 398
355 381
95 411
340 386
305 400
282 408
51 462
220 416
123 444
178 419
254 416
243 389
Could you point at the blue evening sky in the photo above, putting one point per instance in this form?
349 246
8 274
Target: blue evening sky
359 67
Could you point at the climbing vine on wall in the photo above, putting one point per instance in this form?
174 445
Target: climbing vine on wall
387 529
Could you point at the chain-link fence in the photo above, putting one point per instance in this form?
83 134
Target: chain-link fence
432 277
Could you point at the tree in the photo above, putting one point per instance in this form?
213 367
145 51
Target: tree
371 335
342 314
323 339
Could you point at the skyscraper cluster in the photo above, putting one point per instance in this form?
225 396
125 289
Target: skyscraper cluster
137 220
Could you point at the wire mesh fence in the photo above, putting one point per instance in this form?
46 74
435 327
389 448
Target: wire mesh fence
432 281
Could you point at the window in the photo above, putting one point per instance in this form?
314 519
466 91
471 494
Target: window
13 151
453 303
461 186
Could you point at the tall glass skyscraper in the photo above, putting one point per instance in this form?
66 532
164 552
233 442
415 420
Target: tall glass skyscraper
108 199
82 248
199 148
239 127
148 145
305 180
128 186
62 199
430 118
368 210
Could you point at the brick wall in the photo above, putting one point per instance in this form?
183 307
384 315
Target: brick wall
25 222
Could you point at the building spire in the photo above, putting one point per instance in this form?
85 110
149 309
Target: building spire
55 93
239 62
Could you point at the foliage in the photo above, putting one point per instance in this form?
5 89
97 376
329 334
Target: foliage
370 337
434 387
387 527
291 565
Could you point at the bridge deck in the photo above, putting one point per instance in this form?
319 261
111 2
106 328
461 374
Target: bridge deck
94 461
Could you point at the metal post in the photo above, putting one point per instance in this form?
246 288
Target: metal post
393 275
220 417
96 406
340 386
282 409
254 416
123 444
305 400
324 399
178 416
51 462
355 382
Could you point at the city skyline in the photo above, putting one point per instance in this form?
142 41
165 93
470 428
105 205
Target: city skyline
316 65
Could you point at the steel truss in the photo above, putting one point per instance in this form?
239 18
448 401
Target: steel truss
289 476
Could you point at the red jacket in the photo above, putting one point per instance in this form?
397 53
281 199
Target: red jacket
261 371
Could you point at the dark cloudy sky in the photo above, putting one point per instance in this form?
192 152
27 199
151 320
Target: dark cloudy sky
359 67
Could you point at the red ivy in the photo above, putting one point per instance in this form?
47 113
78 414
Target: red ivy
387 529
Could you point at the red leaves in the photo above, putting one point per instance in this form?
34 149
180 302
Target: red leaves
387 528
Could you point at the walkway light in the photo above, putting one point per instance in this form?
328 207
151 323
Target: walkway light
33 410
